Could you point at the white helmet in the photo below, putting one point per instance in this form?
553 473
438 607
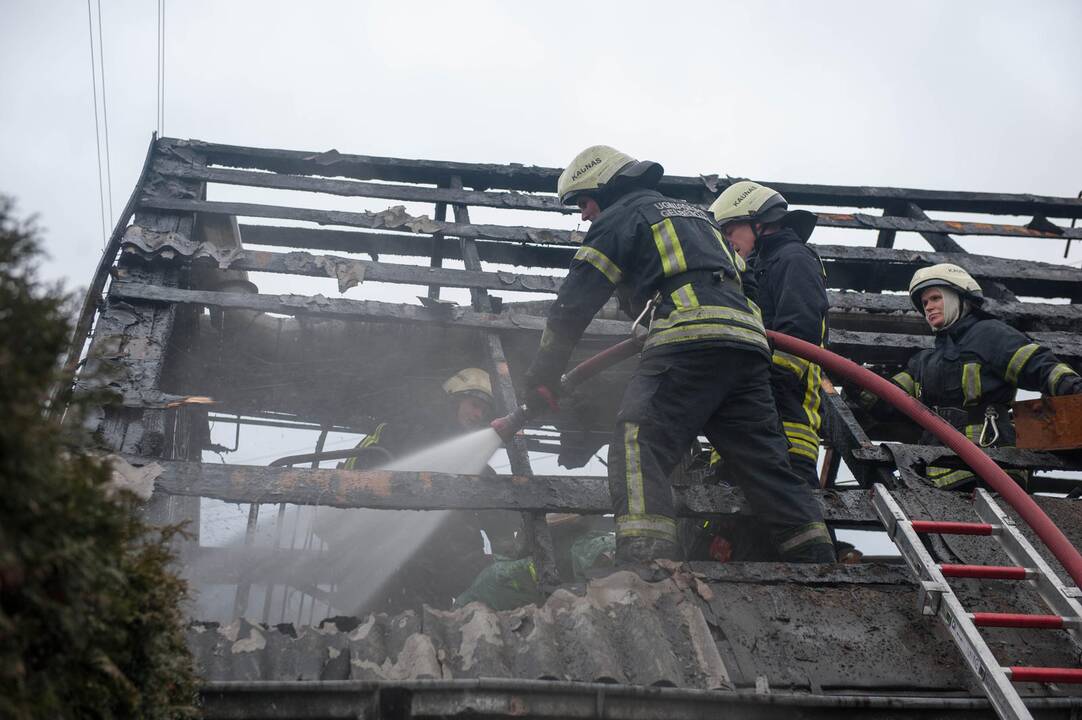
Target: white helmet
748 201
944 275
595 168
470 381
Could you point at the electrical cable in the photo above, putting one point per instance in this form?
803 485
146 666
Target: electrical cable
97 131
162 100
105 118
158 78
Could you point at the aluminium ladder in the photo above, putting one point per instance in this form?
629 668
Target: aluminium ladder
937 598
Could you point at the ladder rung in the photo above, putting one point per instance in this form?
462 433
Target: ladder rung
1020 620
989 572
950 527
1044 674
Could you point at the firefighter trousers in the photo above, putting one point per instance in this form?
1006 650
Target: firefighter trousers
724 393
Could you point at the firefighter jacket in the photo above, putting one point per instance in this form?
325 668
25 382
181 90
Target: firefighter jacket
647 245
791 292
971 376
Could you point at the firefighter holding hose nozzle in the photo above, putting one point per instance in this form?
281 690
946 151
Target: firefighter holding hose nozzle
705 362
971 375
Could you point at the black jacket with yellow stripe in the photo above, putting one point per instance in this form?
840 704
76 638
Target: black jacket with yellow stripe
791 292
646 244
971 376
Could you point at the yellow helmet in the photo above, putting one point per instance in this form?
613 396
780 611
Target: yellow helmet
595 168
748 201
944 275
471 381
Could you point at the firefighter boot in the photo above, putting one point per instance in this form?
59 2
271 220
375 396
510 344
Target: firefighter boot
637 550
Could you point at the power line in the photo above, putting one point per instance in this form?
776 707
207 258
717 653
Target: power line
161 68
158 69
97 132
105 117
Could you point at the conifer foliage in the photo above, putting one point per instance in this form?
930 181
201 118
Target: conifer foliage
90 620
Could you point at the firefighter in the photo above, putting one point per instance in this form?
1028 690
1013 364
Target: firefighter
453 550
791 292
969 378
470 407
704 366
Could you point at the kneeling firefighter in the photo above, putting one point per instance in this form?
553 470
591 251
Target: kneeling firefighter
791 291
704 366
977 365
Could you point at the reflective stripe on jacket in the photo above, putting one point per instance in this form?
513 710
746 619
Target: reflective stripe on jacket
791 292
646 244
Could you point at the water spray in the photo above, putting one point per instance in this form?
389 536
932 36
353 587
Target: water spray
508 425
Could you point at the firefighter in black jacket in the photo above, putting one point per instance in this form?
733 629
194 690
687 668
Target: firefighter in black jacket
791 292
704 365
969 378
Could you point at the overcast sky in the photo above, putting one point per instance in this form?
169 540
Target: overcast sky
959 95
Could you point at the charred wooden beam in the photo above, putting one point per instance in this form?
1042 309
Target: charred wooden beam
1005 457
869 347
395 218
369 310
353 188
912 460
885 313
847 266
868 268
843 434
895 313
377 244
541 179
920 223
349 271
398 490
93 297
888 226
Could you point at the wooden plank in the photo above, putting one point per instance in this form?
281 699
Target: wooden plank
895 313
870 347
93 297
397 219
847 266
868 268
888 226
375 244
392 219
935 231
301 263
531 178
353 188
1015 458
1049 423
891 313
399 490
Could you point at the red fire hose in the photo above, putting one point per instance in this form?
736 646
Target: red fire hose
508 425
980 463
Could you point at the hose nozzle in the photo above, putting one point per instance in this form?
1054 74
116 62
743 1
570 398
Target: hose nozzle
508 425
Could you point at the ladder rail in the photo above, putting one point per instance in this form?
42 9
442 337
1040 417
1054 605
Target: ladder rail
1060 598
937 598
